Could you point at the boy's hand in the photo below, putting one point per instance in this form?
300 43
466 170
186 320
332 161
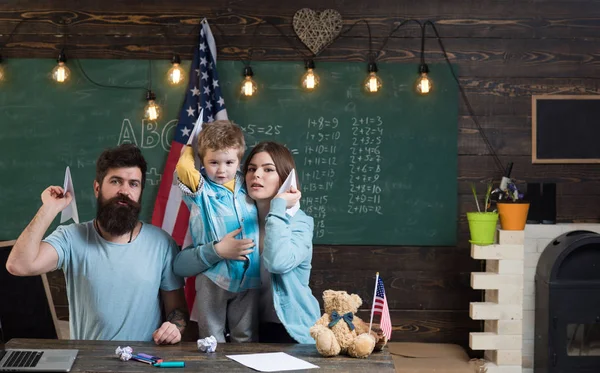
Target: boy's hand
55 198
231 248
186 169
291 196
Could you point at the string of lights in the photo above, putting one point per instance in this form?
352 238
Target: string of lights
310 80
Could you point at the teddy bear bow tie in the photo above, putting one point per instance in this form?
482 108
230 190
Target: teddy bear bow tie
348 317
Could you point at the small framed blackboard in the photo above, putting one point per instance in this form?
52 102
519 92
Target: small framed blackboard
565 129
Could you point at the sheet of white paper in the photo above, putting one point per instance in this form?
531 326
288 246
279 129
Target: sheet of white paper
70 212
272 362
287 184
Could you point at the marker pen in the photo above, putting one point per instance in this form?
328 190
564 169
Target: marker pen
142 359
155 359
170 364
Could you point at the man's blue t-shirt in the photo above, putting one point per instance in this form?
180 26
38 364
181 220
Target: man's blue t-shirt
113 289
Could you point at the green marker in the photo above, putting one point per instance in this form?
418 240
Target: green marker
170 364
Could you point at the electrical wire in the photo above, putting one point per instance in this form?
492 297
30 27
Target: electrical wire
387 39
466 100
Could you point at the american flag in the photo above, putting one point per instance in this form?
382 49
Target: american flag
203 92
380 307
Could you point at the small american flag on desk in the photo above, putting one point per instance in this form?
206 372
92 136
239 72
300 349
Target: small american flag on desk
380 307
203 95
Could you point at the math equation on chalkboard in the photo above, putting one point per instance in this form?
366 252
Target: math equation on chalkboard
323 160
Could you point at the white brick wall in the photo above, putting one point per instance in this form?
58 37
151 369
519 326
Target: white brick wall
502 281
537 237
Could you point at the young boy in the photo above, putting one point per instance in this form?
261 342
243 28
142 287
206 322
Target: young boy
228 271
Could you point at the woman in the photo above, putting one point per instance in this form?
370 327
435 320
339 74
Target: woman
287 307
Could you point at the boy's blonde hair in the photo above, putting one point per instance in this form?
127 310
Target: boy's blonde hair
221 135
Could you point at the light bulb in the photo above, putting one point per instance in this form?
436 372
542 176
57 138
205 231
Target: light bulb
248 85
373 82
424 84
61 72
175 73
151 111
310 80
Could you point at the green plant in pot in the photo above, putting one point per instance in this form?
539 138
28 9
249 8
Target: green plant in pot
482 224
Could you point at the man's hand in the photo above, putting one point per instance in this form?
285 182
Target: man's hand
55 199
231 248
291 196
168 333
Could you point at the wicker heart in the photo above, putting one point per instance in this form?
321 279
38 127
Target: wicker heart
317 30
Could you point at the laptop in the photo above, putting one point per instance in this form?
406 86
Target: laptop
41 360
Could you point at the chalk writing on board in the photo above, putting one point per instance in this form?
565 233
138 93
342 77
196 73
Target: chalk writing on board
265 133
153 176
319 168
151 135
365 166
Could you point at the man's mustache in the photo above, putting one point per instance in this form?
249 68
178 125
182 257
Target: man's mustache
121 198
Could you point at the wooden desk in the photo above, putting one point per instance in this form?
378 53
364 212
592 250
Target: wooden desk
99 356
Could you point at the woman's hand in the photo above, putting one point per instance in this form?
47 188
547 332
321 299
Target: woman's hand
291 197
231 248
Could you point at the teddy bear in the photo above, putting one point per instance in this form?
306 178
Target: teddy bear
339 331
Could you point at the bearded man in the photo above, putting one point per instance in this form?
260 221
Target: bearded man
118 270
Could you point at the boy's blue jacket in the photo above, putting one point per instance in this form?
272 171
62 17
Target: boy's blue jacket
214 212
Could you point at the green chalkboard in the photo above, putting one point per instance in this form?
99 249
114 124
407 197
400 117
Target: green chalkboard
374 170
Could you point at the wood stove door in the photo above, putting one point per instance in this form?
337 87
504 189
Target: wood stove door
575 338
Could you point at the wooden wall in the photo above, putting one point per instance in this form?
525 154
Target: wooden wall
505 52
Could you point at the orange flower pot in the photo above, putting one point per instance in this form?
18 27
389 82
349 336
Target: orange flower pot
513 215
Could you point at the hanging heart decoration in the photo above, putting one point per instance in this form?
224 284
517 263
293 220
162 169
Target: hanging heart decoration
317 29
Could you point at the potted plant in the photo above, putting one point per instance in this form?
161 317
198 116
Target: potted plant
482 224
511 206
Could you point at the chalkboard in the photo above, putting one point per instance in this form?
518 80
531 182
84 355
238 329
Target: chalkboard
565 129
374 170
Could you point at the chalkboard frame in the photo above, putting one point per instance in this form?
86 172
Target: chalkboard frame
535 158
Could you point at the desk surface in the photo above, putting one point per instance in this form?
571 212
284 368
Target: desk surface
99 356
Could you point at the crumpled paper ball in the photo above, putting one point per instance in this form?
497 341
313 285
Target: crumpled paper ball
208 344
124 353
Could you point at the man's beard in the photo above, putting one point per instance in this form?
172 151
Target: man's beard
117 219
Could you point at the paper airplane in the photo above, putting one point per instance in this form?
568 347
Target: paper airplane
287 184
69 212
193 139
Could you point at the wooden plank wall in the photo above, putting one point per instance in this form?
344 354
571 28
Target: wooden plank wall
505 52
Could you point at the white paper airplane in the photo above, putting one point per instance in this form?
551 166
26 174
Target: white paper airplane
287 184
193 139
69 212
